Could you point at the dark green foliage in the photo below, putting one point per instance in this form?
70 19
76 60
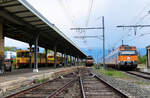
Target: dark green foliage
10 49
48 51
142 59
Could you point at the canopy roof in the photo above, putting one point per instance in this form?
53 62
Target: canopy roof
23 22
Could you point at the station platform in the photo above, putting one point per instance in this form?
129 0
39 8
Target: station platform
25 77
143 68
146 70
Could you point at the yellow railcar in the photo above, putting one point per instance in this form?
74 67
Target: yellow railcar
23 59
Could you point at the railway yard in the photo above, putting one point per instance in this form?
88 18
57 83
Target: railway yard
50 63
76 82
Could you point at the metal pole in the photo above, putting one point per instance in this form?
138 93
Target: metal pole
30 54
65 59
62 59
70 60
2 69
122 42
36 54
55 57
46 57
103 42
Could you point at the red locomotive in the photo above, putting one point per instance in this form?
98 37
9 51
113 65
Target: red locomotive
89 61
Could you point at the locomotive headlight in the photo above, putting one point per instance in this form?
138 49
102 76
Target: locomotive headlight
128 58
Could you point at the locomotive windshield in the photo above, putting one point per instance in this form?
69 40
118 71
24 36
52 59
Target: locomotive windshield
23 54
128 52
89 58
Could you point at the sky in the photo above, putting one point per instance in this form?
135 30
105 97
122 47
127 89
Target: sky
66 14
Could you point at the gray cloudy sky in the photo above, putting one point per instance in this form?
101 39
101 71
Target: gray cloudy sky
77 13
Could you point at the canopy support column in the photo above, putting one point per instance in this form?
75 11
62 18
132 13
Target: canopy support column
77 61
30 55
65 60
62 59
55 57
36 53
46 57
70 60
1 49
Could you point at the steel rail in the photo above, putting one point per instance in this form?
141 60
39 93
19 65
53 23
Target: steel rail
18 93
108 84
143 72
81 86
56 92
28 89
141 76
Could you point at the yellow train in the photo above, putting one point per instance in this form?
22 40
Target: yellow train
23 59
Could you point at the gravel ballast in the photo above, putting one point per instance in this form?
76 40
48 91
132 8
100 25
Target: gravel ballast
130 88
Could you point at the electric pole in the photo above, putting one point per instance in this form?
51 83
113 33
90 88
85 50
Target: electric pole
103 28
133 26
103 42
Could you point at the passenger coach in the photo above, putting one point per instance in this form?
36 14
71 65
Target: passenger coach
124 57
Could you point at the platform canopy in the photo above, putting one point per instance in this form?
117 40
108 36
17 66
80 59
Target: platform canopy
23 22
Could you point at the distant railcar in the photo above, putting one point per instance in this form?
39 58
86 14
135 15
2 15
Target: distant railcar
89 61
124 57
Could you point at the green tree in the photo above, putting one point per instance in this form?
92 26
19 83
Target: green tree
48 51
142 59
10 49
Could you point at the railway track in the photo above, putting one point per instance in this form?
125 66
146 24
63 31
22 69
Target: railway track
51 89
82 84
93 86
140 74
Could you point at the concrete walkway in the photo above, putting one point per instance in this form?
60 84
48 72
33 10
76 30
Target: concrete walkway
9 76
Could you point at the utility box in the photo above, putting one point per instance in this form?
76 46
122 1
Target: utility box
148 56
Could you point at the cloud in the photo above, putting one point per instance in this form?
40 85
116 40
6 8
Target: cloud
12 42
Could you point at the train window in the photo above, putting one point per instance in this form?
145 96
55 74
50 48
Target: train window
26 54
19 54
127 52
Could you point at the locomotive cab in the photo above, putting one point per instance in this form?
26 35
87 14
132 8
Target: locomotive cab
89 61
127 57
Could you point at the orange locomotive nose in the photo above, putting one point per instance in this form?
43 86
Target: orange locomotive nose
127 58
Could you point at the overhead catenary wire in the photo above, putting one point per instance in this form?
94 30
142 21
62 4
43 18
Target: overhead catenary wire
138 22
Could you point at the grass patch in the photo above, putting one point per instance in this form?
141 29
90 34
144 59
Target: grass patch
40 80
113 73
142 83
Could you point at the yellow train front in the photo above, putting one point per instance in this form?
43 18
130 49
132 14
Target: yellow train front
125 57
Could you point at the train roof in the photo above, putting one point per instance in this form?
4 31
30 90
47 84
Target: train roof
89 57
112 53
22 50
126 47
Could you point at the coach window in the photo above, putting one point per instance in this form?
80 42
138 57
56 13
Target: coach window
26 54
19 54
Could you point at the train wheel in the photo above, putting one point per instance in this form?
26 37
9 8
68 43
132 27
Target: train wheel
118 67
